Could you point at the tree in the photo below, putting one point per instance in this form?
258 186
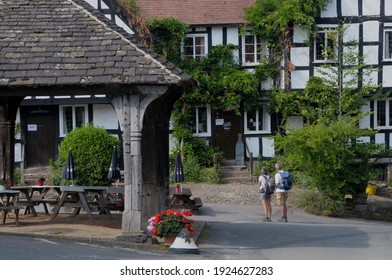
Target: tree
328 149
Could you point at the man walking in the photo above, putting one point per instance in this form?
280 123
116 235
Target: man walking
280 193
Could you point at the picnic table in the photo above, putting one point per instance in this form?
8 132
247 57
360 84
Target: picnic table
182 199
88 198
36 195
9 203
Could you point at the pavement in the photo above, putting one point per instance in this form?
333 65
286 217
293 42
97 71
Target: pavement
100 229
223 224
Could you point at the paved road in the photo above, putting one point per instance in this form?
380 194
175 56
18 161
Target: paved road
236 232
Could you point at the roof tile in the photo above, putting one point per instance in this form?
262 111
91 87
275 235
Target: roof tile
197 12
67 42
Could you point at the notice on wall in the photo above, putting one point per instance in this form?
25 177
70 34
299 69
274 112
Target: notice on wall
32 127
219 121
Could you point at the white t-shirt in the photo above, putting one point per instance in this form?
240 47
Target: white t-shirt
278 181
263 181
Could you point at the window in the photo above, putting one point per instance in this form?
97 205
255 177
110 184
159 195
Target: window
257 121
388 44
72 117
325 46
383 113
200 123
195 46
253 49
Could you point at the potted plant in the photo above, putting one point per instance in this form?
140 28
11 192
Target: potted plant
168 223
40 181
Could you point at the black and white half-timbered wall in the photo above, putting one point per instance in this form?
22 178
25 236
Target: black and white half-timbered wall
368 21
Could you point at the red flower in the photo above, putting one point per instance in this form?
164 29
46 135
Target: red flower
157 218
188 226
187 213
155 232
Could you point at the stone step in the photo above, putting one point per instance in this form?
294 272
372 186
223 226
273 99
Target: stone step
232 173
32 174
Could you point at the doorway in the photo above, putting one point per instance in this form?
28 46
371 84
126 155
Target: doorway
227 126
40 131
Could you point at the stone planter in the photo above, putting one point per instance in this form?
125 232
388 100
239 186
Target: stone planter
360 199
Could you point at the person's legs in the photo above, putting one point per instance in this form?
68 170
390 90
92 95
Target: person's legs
281 197
268 208
265 208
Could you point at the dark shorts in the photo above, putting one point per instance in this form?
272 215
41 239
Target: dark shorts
264 196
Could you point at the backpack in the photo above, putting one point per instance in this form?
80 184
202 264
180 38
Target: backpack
269 185
287 183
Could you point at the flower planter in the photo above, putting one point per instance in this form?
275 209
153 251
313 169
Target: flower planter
168 240
40 182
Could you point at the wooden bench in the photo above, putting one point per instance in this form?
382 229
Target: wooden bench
194 203
9 208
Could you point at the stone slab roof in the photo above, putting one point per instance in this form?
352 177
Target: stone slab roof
197 12
67 42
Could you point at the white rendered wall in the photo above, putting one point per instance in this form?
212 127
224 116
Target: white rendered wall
388 7
380 138
350 8
365 121
370 31
386 76
233 38
370 7
294 122
300 35
370 54
105 116
216 36
253 145
268 147
299 78
330 10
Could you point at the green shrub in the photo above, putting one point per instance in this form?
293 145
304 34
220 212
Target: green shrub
192 170
198 162
92 149
211 175
317 203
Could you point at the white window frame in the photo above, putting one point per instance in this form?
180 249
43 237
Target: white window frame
61 115
335 47
208 132
194 36
259 49
388 114
387 33
266 119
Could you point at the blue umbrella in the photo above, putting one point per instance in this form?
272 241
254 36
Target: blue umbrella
69 171
114 168
178 175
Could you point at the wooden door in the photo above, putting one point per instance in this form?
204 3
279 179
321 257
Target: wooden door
40 131
224 137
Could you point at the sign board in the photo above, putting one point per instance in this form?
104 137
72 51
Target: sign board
32 127
219 121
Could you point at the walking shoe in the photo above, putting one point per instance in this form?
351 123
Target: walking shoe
265 220
269 219
283 220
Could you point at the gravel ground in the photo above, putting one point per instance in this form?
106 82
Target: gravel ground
247 194
231 193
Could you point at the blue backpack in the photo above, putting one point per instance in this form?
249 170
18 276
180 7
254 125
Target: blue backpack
287 183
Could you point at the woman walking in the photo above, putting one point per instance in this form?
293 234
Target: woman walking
266 189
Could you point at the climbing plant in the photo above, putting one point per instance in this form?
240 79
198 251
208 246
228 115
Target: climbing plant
273 21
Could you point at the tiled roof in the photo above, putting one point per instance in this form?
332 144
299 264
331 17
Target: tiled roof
197 12
65 42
